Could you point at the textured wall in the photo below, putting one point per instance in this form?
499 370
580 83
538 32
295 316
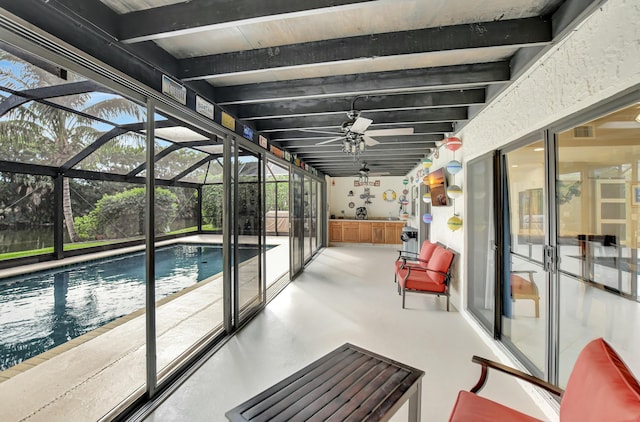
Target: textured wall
598 60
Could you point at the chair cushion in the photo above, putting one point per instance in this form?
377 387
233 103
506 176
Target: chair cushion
600 387
426 252
471 407
420 279
439 263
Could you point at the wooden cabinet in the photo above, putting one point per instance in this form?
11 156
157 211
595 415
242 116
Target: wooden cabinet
365 232
350 232
335 231
392 232
377 232
391 235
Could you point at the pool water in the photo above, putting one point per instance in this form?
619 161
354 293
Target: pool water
42 310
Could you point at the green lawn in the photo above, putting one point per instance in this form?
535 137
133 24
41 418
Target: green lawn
83 245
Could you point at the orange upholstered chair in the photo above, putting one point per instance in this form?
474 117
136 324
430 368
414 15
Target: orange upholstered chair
432 278
407 258
600 388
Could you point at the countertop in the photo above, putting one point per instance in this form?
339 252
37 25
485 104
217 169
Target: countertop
368 220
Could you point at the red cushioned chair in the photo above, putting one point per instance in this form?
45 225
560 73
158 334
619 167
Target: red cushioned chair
600 388
433 278
407 258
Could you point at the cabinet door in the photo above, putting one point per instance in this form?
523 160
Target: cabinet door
377 232
365 232
350 232
392 233
335 231
399 228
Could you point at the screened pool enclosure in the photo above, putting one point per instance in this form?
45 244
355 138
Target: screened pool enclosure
89 176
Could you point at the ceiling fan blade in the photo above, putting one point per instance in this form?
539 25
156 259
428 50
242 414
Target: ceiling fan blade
330 140
369 141
318 131
360 125
390 132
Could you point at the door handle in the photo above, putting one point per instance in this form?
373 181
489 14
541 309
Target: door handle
549 261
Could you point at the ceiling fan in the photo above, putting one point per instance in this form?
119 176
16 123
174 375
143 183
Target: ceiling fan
355 129
366 172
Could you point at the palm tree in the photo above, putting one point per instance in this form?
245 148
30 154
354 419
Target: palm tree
53 131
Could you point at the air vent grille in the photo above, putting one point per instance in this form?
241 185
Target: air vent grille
583 132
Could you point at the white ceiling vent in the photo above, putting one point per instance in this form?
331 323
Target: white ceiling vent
584 132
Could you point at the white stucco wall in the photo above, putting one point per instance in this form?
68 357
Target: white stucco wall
597 61
339 187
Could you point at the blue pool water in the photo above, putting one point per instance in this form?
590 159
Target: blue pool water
42 310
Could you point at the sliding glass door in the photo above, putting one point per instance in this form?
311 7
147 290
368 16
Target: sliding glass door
569 244
482 244
524 281
598 202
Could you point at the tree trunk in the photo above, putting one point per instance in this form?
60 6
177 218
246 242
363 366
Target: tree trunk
68 212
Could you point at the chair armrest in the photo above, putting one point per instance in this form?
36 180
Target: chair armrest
402 253
486 364
424 270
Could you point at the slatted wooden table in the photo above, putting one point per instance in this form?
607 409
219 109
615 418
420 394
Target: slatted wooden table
348 384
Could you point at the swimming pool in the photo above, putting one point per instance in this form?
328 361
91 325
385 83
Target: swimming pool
42 310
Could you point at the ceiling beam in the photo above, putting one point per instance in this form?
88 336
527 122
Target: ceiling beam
419 128
396 141
515 32
424 115
443 77
369 103
206 15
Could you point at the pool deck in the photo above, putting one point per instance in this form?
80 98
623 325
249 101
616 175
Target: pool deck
111 359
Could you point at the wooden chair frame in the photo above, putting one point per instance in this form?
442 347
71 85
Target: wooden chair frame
531 295
489 364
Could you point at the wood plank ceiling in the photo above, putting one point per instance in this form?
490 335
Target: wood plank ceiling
292 69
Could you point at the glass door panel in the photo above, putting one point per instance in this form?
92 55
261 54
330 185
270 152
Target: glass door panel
598 200
250 240
313 217
297 223
188 274
524 314
307 218
482 243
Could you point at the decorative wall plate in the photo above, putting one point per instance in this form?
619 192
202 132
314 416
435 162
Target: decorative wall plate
351 205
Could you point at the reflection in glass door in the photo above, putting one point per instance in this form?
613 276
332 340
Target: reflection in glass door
188 287
297 223
598 204
524 281
481 260
307 204
249 240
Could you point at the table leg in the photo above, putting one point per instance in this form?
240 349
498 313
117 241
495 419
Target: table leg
414 403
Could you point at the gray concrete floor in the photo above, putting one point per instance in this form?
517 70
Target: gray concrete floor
346 294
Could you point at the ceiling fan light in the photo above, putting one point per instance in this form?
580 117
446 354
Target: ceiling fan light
354 148
361 145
